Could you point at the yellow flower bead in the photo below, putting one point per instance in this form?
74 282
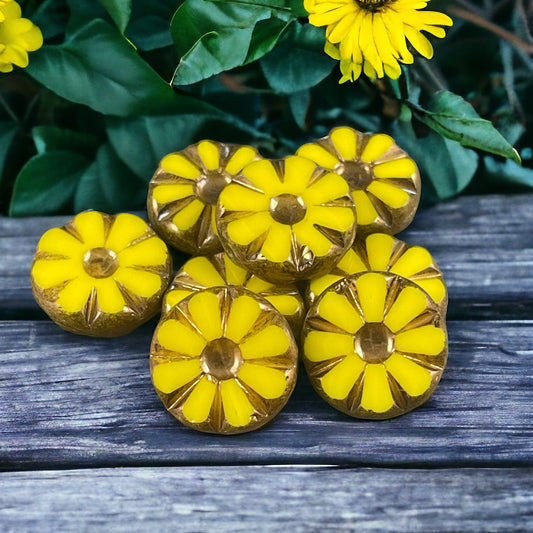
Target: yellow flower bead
184 190
18 36
101 275
384 181
223 360
375 345
382 252
286 219
219 270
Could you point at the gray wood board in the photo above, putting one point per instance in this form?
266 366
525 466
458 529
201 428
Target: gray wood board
484 245
70 401
265 499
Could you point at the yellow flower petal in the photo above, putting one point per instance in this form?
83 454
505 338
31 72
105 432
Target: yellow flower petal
235 275
164 194
237 407
339 381
90 226
269 383
243 313
139 282
179 165
60 242
263 175
335 308
268 342
51 273
372 292
125 229
414 379
187 217
337 218
419 42
427 340
308 235
204 308
198 405
377 395
150 252
376 147
75 295
319 155
409 304
209 154
329 187
177 337
351 263
109 297
286 304
379 250
434 287
174 297
277 245
366 212
319 285
322 345
345 142
236 197
168 377
398 168
242 157
245 230
298 172
203 272
414 260
389 194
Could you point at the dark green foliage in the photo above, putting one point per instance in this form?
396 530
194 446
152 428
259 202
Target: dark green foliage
119 84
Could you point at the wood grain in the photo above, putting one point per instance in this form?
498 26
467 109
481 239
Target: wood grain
71 401
483 244
266 499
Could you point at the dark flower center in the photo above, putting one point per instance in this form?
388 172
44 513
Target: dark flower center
287 208
100 262
221 359
372 5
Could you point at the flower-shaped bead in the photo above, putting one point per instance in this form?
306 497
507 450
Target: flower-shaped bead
383 179
219 270
375 345
223 360
286 219
18 36
101 275
184 190
382 252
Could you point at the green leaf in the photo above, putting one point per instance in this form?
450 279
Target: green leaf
454 118
299 104
48 138
46 183
508 173
149 26
214 37
109 186
98 67
120 11
445 164
8 130
298 62
294 6
51 17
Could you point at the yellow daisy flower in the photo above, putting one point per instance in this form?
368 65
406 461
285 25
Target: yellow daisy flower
101 275
372 35
18 36
223 360
218 271
287 219
184 190
380 252
383 179
375 345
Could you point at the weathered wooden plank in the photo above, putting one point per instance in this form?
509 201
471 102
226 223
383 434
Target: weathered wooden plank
71 401
254 498
484 245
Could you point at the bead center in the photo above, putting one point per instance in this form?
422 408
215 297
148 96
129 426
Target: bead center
358 174
221 359
100 262
287 208
209 187
374 342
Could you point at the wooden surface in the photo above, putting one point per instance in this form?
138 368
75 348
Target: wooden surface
86 445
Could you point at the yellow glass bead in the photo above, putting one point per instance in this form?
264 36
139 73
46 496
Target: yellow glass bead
223 360
382 252
374 345
384 181
219 270
101 275
286 220
183 193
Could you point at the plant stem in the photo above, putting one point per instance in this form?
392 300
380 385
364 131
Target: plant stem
8 110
